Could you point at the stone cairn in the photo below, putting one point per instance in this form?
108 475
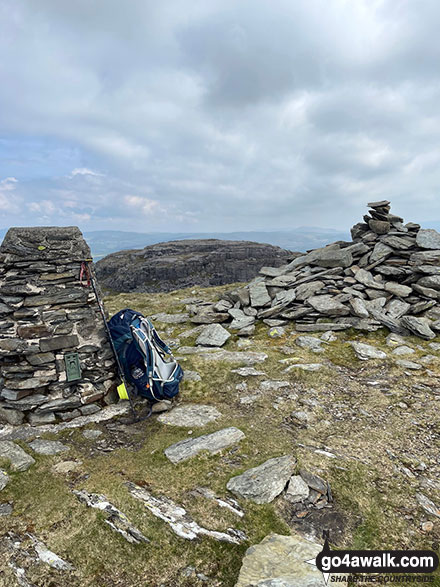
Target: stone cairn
388 275
55 358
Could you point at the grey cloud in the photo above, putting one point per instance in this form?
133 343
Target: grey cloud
218 115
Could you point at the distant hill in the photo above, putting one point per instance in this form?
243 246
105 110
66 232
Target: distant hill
185 263
104 242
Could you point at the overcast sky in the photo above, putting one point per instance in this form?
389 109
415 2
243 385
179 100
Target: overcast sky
186 115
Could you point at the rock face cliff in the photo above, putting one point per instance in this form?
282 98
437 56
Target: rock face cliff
179 264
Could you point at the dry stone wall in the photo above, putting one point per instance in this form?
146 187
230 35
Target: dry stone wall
388 275
47 317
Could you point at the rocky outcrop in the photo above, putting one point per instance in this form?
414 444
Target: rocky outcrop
55 357
179 264
388 275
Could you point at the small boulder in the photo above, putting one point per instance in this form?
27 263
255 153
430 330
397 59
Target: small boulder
418 326
48 447
213 335
259 295
212 443
276 332
408 365
4 480
190 416
427 238
297 490
328 305
403 350
18 458
279 561
364 352
264 483
311 343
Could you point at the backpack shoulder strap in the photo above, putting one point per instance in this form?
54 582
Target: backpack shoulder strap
155 338
142 341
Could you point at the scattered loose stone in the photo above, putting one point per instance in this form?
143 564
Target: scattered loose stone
248 372
297 490
6 509
395 339
49 557
273 385
304 367
276 332
20 575
265 482
311 343
428 505
211 354
114 517
191 376
301 418
18 458
48 447
279 561
66 467
314 481
248 400
246 330
248 358
329 336
92 434
178 519
244 343
4 479
171 318
213 443
192 332
164 405
408 365
190 416
213 335
364 352
403 350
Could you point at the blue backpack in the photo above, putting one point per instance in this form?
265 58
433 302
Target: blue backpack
143 356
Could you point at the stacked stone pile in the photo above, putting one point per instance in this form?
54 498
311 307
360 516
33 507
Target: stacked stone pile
46 314
388 275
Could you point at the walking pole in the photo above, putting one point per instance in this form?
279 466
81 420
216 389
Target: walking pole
122 388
